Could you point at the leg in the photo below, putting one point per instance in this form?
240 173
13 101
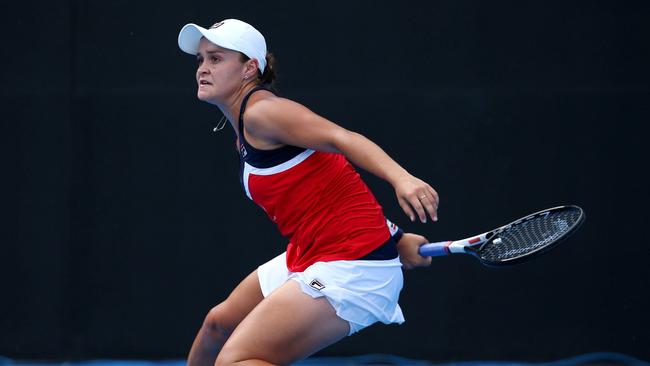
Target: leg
287 326
222 320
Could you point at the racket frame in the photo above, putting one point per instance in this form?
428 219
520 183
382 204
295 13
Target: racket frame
473 244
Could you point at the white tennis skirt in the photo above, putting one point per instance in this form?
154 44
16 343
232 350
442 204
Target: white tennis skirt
362 292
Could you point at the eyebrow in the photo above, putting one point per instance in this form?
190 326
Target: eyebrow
211 52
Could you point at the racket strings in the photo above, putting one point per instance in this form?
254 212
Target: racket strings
530 236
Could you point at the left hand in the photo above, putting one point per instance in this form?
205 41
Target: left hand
415 194
408 248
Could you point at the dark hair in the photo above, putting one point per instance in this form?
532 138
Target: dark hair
268 76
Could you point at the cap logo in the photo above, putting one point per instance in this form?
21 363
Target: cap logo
217 25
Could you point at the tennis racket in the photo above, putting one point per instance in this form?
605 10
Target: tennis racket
517 242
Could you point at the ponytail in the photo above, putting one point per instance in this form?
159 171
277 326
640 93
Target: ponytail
268 76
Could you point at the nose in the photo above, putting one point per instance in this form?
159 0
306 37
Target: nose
202 70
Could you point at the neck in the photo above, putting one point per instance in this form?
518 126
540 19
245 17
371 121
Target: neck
231 106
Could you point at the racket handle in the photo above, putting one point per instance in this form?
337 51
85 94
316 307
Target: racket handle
434 249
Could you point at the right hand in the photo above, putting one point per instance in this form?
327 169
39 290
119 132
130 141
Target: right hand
408 248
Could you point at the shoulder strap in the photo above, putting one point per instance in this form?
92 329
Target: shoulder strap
243 108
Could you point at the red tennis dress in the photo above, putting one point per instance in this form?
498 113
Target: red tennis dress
317 200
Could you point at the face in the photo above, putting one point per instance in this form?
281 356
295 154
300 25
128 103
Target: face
219 73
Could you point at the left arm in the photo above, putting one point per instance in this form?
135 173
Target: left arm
283 121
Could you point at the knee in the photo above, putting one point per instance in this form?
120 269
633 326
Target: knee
218 322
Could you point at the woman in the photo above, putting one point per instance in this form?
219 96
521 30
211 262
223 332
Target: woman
341 258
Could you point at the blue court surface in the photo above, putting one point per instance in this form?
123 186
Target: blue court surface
591 359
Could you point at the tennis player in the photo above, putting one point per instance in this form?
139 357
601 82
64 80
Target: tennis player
342 269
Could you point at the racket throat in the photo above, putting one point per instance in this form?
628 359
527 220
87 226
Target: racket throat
486 238
466 246
470 245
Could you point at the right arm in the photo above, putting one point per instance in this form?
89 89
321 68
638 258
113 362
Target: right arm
408 247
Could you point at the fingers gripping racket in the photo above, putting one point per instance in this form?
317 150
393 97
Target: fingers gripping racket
516 242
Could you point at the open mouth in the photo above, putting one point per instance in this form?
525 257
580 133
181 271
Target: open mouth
203 82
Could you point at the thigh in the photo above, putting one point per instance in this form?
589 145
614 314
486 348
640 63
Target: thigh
287 326
240 301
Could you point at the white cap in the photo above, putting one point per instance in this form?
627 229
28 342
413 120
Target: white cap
232 34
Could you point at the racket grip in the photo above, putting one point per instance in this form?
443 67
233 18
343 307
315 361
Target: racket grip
434 249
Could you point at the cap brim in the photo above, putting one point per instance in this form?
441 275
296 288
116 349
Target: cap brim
191 34
189 38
